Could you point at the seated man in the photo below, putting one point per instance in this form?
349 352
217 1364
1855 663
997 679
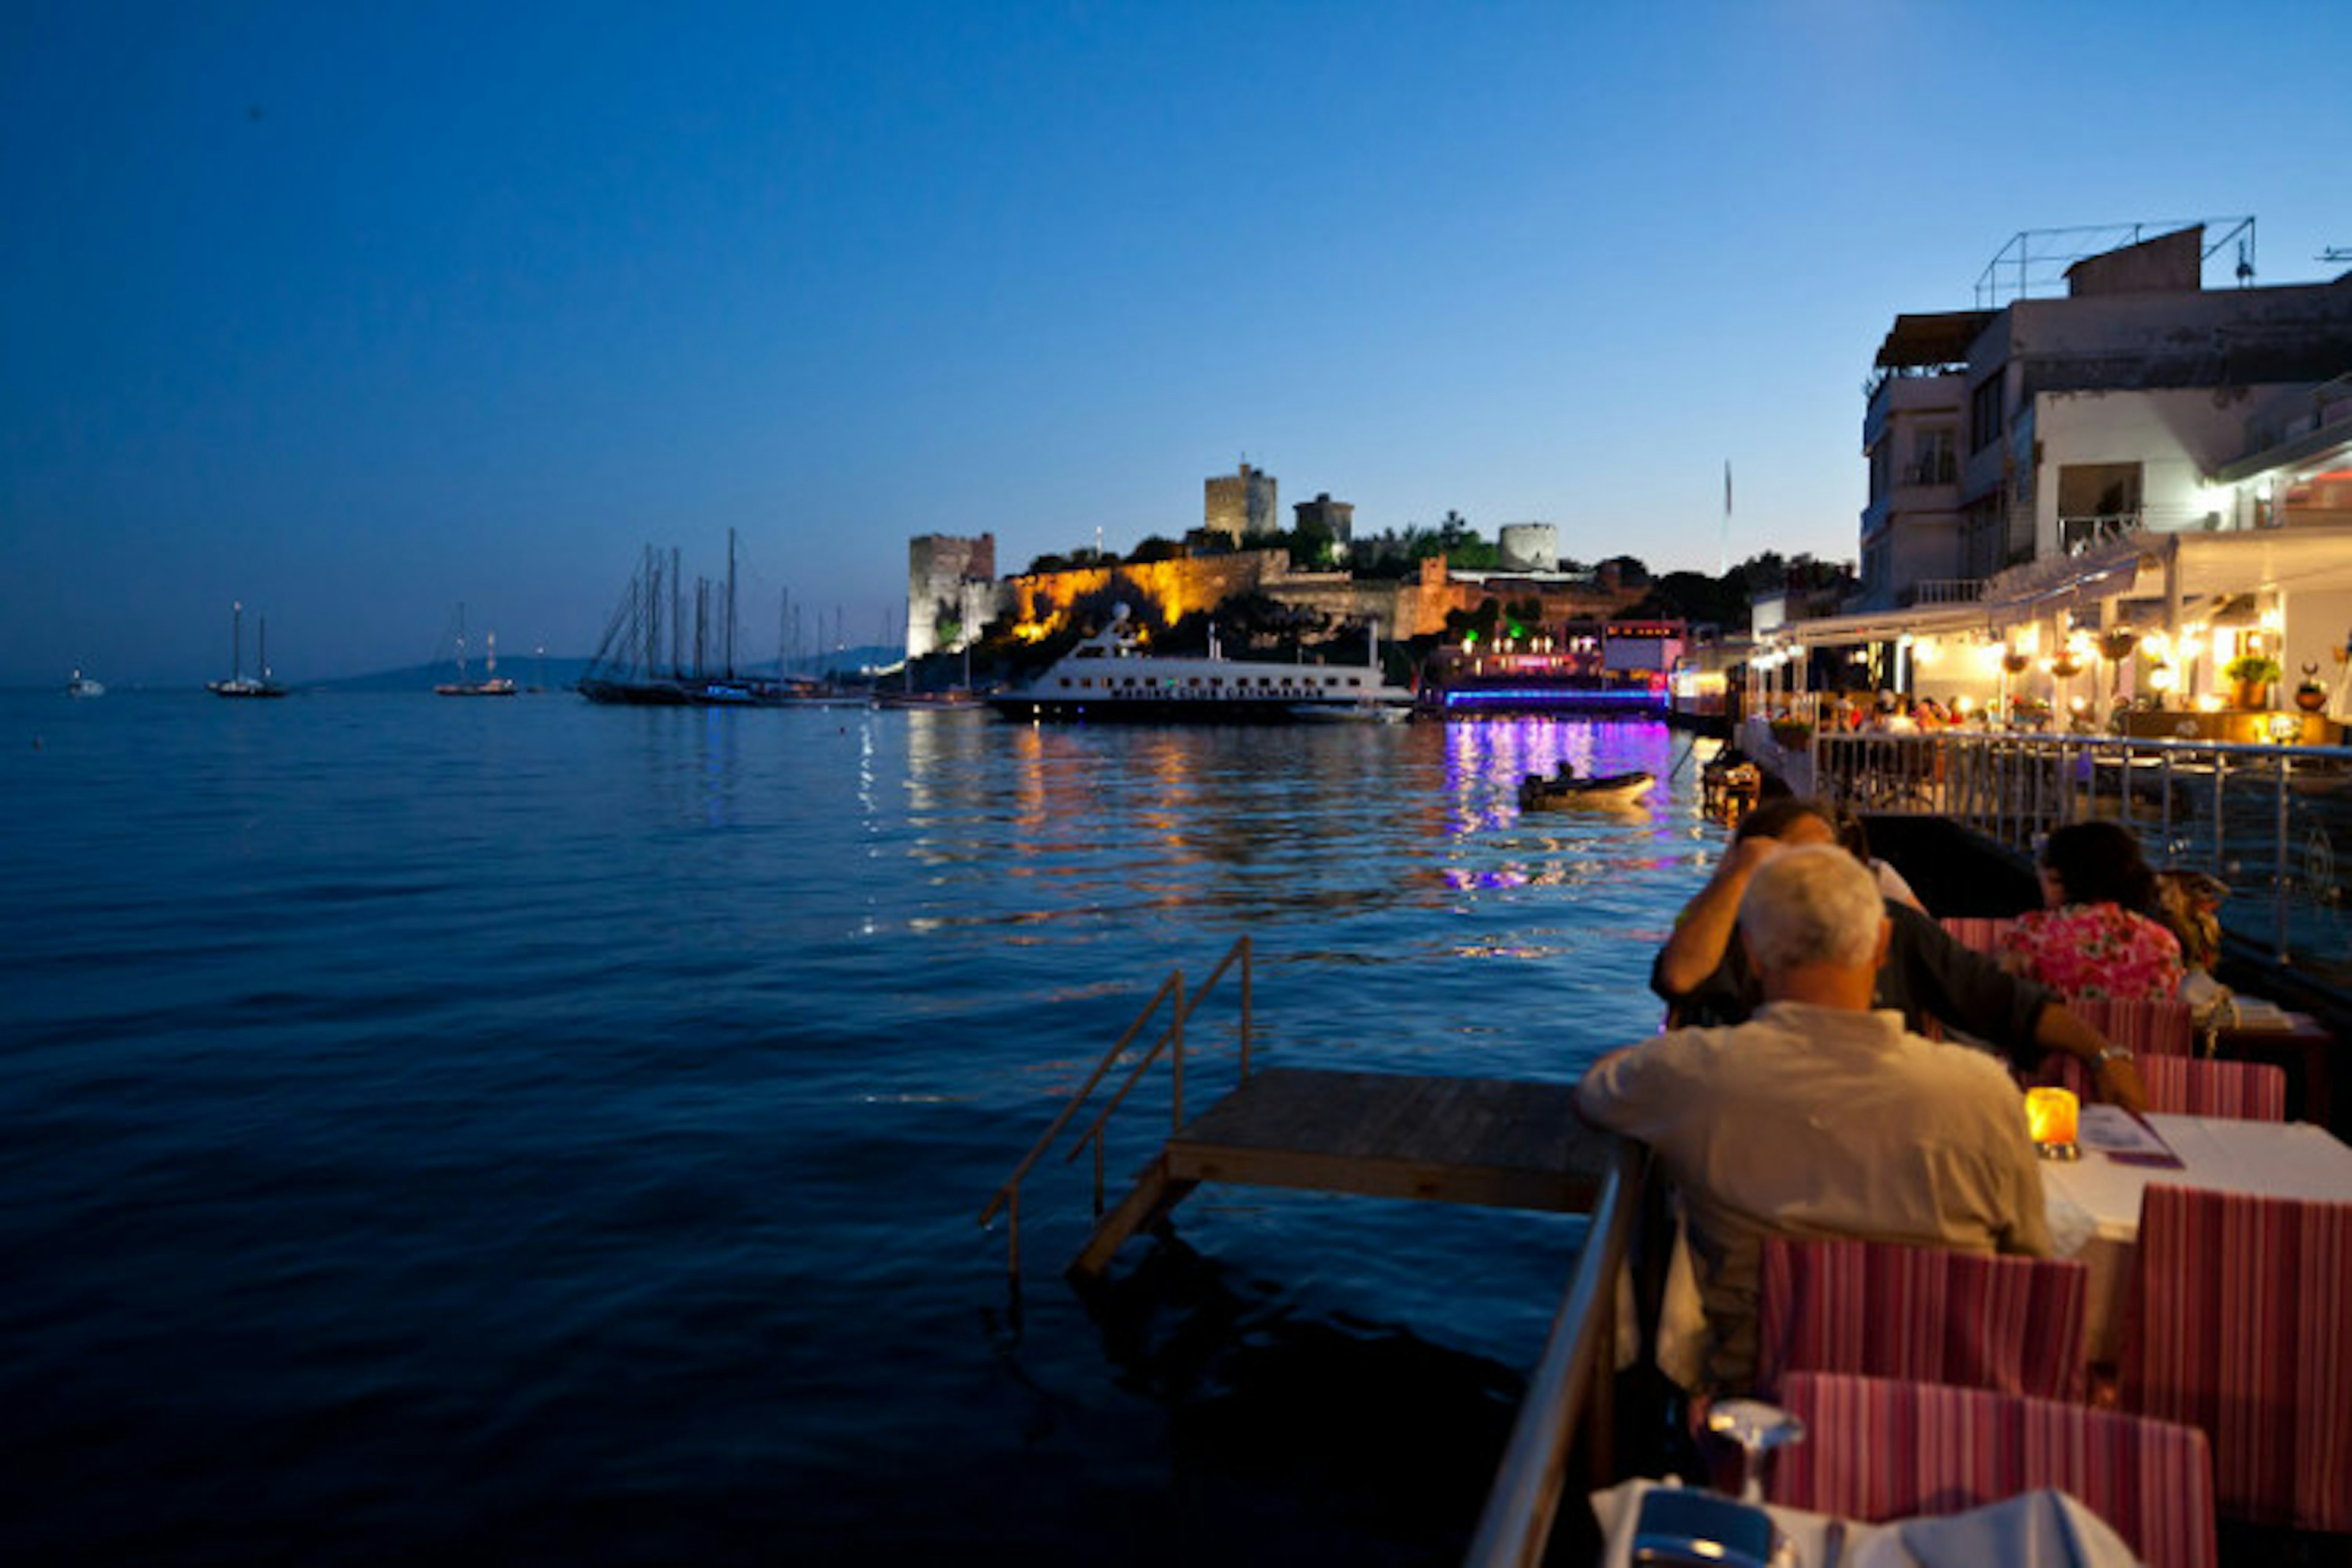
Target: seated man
1928 977
1819 1117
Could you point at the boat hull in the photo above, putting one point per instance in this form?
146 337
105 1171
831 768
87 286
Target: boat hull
1178 709
1538 794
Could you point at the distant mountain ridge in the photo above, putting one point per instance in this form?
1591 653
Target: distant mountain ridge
532 672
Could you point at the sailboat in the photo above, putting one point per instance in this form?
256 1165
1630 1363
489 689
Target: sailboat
643 660
492 683
238 683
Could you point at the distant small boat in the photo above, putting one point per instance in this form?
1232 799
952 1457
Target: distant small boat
238 683
492 683
1537 792
83 686
952 696
1363 711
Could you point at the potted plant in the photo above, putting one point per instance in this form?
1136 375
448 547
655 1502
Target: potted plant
2310 692
1792 734
2251 672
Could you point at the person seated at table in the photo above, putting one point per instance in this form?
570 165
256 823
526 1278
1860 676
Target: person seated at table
2100 933
2189 905
1933 981
1820 1116
1855 839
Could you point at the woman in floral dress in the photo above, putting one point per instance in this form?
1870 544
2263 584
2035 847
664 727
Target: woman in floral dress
2099 935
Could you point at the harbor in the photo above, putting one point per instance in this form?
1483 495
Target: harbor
586 1139
1465 786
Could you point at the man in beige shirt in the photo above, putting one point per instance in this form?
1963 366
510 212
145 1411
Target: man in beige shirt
1819 1117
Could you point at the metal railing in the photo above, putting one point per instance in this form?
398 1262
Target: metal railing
1170 1042
2265 818
1569 1392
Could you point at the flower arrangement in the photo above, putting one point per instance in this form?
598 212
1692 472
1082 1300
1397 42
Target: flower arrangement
2251 670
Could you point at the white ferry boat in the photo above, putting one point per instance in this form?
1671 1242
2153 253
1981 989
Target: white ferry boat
1110 678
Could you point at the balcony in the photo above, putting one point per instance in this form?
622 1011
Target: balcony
2078 534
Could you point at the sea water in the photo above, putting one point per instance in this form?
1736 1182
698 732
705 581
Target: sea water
524 1129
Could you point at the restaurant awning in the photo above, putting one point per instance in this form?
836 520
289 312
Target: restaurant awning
2206 570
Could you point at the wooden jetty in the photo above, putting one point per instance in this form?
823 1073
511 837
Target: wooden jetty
1490 1142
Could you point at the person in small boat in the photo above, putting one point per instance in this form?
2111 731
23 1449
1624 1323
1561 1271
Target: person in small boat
1933 981
2101 932
1820 1115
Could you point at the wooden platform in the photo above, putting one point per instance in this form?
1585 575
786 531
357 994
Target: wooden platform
1446 1139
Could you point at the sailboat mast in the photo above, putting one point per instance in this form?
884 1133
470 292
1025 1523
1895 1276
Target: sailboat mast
730 633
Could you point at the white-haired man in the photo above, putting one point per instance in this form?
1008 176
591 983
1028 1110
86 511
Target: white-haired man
1818 1116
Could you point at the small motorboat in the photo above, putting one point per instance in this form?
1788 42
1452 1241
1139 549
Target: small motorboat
1564 788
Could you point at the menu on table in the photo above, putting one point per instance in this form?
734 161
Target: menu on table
2112 1131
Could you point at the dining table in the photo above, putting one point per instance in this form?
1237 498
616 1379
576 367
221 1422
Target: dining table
2093 1201
2045 1527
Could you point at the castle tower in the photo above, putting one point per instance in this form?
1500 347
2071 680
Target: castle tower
950 584
1242 505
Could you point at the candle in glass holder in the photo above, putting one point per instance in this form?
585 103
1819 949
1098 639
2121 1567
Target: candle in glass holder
2050 1115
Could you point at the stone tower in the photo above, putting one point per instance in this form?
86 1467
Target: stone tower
1242 505
950 588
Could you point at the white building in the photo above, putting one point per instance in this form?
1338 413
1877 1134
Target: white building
2143 455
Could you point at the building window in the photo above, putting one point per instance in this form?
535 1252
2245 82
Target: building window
1933 461
1984 414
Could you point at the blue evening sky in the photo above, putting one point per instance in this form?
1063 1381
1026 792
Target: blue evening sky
355 312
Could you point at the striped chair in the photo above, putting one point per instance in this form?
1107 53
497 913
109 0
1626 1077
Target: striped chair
1877 1448
2250 1092
1929 1314
1979 932
2242 1325
2145 1028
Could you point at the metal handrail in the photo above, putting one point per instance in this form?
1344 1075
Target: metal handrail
1007 1196
1515 1528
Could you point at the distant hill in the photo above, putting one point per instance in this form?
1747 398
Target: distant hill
562 674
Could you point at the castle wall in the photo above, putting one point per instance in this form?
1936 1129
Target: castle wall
1414 608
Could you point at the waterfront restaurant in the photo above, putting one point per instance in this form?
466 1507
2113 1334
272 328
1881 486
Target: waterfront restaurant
2218 635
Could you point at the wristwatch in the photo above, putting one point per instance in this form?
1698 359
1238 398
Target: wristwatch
2106 1054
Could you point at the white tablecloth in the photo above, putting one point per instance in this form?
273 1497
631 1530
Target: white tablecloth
2094 1201
2038 1527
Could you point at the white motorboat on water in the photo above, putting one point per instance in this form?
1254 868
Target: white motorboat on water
83 686
1537 792
1112 678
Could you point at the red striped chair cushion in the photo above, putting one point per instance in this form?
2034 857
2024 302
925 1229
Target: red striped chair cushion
1981 933
1877 1450
2187 1085
2250 1092
2144 1029
1926 1314
2241 1324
